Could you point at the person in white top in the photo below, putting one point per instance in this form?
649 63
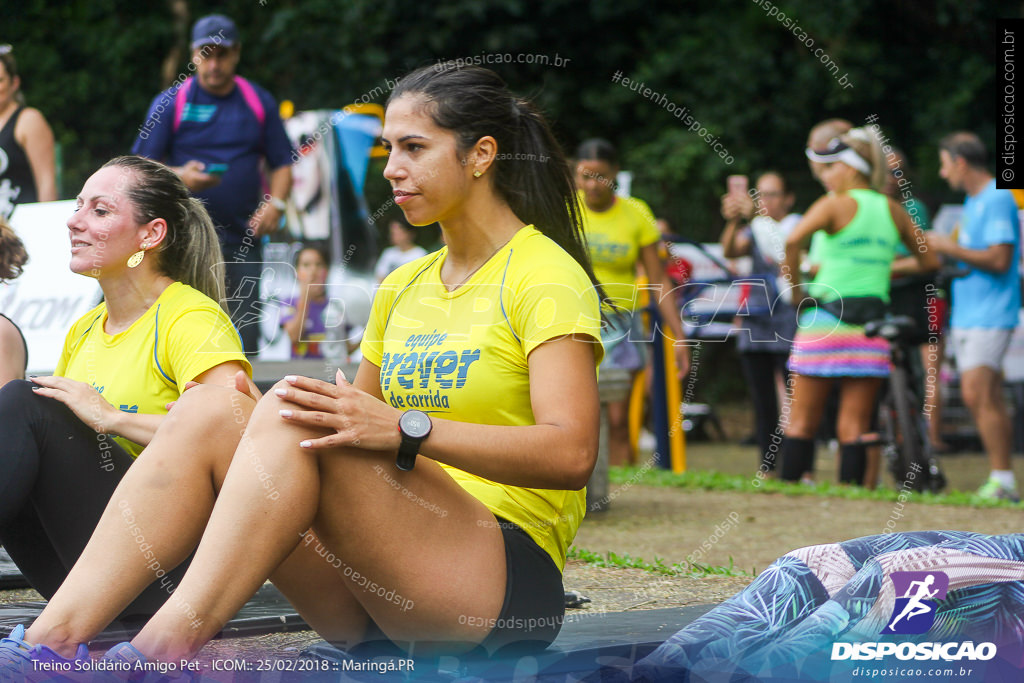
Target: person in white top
757 224
403 249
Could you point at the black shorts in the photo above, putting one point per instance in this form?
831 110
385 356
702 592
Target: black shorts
531 615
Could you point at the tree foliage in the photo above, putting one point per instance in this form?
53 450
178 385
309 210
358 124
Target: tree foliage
924 68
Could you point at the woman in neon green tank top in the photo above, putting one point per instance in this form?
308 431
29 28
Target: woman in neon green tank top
862 229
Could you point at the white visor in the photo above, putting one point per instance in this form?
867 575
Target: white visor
837 150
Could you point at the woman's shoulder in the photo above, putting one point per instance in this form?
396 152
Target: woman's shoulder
536 254
30 120
180 299
631 210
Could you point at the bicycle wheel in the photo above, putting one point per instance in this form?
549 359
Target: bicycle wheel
910 469
888 433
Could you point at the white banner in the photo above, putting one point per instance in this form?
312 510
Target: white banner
48 297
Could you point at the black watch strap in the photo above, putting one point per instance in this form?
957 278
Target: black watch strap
414 426
406 459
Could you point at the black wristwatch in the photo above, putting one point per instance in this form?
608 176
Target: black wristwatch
415 426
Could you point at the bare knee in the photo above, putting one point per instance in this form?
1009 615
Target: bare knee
210 407
202 429
803 424
970 394
269 405
982 390
618 412
851 430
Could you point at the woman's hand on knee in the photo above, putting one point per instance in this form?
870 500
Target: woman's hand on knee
84 401
356 417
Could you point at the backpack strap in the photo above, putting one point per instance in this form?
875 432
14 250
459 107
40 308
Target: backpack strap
180 99
252 100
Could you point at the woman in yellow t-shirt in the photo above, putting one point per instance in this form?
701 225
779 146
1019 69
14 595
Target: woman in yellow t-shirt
622 233
70 438
481 358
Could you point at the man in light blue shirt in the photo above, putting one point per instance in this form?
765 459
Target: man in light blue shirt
986 300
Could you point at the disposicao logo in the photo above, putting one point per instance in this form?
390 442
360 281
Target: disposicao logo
918 595
914 612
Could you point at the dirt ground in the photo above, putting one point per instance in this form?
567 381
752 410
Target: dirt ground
754 529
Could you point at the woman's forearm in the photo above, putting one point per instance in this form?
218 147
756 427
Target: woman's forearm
136 427
535 456
791 266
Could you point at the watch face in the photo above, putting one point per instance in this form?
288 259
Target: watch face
415 424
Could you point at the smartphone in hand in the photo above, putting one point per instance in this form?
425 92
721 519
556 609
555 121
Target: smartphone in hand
737 185
215 169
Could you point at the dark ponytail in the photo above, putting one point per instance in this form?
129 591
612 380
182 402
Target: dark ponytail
530 172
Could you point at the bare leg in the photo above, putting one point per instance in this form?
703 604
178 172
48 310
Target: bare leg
801 419
620 446
809 395
418 535
620 450
982 389
931 360
856 404
153 520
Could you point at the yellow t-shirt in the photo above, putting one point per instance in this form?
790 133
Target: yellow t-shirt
462 356
140 370
614 238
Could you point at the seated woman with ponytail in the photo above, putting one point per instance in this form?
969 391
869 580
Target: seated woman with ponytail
433 499
70 438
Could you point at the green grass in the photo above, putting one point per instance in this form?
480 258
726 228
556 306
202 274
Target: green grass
626 561
717 481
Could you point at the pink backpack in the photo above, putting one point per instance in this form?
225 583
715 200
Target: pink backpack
244 86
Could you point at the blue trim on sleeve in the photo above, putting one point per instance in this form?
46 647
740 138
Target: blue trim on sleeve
156 347
91 325
501 296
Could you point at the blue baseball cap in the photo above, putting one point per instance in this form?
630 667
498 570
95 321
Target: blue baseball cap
215 29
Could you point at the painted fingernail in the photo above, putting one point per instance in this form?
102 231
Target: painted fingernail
36 387
305 444
281 392
285 413
290 379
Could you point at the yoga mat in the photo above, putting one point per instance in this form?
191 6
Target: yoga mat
589 641
266 612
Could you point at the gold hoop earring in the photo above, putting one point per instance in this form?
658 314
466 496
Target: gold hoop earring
477 174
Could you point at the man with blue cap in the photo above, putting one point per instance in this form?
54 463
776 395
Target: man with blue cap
215 129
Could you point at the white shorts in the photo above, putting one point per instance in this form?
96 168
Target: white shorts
976 347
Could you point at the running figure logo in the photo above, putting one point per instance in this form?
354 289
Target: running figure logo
920 593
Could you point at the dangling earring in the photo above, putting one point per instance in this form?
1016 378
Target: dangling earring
477 174
135 259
